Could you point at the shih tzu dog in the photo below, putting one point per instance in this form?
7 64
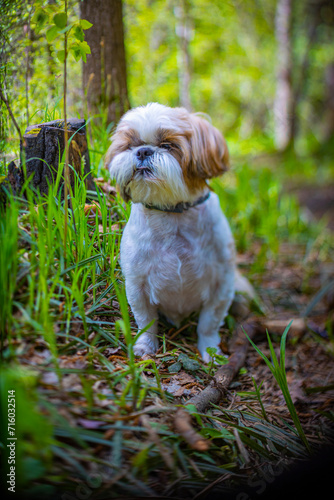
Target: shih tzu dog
177 249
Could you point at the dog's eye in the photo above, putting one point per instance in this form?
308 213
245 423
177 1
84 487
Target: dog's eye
166 145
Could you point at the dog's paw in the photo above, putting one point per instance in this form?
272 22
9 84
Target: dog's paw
207 358
146 344
206 342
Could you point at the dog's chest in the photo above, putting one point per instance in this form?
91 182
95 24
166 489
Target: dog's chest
178 260
166 253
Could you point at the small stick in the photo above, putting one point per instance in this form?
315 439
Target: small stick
217 388
144 420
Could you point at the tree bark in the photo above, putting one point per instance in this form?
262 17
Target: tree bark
42 150
329 103
104 73
283 105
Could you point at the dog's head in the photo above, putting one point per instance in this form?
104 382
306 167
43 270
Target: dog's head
162 156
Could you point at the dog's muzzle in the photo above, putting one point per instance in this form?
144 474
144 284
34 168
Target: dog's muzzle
143 156
144 153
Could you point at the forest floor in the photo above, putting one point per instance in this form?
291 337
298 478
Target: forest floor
113 432
319 200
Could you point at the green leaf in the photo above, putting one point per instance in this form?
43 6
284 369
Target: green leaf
218 433
40 18
52 33
75 49
60 20
175 367
85 47
282 347
272 352
139 460
211 351
80 50
263 356
78 33
188 363
85 24
66 29
222 360
191 408
61 55
89 260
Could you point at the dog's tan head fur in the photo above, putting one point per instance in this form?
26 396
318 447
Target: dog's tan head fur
162 156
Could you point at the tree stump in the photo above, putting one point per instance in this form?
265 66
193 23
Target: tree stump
42 150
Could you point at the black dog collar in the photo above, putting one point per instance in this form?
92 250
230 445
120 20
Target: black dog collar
180 207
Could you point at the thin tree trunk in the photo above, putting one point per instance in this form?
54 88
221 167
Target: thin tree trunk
92 75
283 105
329 103
66 166
104 74
27 71
183 32
5 101
51 71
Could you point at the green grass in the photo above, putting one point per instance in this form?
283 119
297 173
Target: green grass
256 205
8 266
65 298
278 371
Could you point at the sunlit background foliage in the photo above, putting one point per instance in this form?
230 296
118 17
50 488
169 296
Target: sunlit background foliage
233 63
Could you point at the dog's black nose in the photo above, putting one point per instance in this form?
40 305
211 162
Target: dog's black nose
143 153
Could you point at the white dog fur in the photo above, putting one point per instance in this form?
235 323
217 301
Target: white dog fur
177 250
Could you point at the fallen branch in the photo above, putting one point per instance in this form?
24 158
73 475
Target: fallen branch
298 326
217 389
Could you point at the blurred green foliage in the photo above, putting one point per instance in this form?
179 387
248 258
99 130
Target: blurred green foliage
233 62
232 49
32 430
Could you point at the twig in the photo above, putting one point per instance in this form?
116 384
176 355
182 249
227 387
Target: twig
242 449
297 328
217 388
144 420
220 479
3 98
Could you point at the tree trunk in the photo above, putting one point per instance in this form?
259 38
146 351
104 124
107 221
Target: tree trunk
329 103
104 73
51 71
183 32
43 148
283 105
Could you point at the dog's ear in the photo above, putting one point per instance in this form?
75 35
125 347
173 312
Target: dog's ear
209 153
108 157
120 142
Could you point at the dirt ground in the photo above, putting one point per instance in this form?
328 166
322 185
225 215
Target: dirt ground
319 202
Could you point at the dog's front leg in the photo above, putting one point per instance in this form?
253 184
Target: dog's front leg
210 319
144 312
